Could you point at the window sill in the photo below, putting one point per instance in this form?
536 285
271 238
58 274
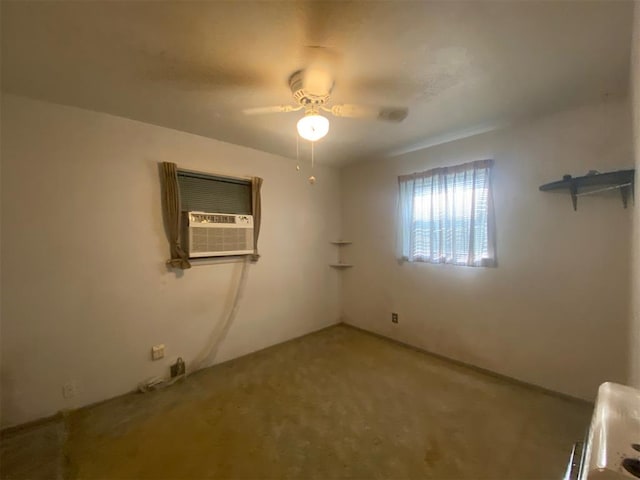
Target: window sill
196 262
486 263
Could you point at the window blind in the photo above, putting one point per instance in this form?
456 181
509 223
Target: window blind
209 193
447 215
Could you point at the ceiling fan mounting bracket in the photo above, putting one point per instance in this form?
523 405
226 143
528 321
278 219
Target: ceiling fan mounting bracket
311 89
303 95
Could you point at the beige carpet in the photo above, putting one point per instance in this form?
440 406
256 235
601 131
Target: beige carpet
339 403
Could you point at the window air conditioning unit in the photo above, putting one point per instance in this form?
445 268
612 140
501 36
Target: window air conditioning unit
219 234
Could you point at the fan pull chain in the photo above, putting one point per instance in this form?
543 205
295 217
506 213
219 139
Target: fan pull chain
312 179
297 153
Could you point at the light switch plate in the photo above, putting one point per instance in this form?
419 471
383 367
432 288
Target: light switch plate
157 352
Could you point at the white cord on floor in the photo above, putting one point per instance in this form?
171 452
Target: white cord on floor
158 383
211 349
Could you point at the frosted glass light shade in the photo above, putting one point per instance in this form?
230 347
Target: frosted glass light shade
313 127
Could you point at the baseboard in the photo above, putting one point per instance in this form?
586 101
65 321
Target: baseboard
31 424
63 413
470 366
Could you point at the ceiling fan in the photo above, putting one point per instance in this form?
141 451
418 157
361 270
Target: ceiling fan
311 89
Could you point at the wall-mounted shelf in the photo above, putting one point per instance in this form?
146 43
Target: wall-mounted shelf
594 183
340 265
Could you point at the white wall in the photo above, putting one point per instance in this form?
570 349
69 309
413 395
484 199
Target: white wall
85 289
634 337
555 311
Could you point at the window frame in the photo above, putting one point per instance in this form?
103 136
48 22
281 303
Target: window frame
449 182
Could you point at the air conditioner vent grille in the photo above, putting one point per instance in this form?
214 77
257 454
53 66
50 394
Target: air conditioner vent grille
212 234
221 239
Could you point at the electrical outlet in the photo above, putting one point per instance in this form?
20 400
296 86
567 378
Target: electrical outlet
394 317
69 389
157 352
178 368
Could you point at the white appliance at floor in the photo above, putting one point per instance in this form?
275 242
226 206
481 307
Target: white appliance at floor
612 447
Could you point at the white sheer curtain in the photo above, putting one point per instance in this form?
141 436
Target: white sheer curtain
446 215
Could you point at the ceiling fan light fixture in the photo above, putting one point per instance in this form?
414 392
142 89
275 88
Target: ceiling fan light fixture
313 127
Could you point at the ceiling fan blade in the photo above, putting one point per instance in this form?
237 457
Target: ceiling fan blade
315 17
273 109
386 85
322 57
326 28
198 76
317 81
388 114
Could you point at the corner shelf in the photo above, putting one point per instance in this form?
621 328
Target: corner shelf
622 179
340 265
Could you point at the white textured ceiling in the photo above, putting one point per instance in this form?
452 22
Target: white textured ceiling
460 67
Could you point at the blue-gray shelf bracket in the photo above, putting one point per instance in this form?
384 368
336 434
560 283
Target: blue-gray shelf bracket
574 196
624 192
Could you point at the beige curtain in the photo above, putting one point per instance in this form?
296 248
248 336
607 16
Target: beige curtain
256 210
172 214
447 215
